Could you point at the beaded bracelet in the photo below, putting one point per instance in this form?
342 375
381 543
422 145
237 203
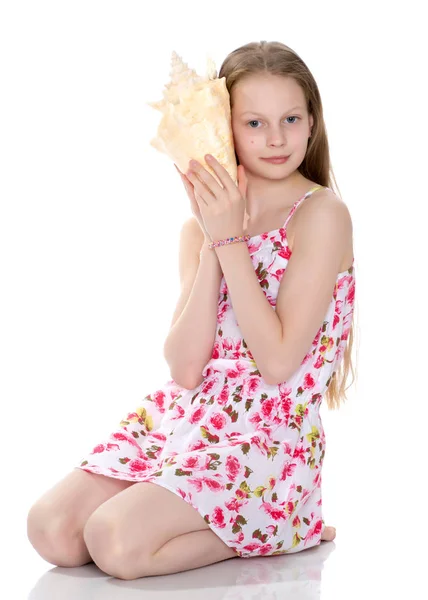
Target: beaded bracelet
232 240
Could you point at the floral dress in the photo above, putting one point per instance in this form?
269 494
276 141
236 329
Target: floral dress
245 454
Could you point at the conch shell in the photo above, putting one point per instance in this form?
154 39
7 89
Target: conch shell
196 118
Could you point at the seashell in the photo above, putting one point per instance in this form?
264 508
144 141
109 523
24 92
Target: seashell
196 118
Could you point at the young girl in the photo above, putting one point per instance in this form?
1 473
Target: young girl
225 459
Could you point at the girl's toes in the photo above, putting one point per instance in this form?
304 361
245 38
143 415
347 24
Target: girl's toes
328 534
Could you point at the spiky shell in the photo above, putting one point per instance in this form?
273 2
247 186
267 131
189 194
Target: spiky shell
196 118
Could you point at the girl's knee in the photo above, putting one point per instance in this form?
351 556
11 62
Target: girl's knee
55 540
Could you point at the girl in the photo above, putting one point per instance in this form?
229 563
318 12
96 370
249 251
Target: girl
225 459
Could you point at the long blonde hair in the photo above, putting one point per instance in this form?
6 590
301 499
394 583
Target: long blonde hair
276 58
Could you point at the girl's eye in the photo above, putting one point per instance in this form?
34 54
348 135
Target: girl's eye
256 121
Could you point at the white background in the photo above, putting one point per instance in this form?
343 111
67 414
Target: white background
89 224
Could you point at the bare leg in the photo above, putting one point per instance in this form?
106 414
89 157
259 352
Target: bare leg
56 521
189 551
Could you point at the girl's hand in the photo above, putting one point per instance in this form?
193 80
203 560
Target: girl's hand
222 207
193 203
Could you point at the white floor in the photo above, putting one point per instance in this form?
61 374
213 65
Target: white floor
298 576
360 563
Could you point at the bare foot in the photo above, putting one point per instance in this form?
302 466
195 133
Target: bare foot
328 534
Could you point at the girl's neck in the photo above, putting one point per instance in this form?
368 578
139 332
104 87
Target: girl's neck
267 198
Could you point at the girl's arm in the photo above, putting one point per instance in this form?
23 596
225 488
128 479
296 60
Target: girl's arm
257 320
189 344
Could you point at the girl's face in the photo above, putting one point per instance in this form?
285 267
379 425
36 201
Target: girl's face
266 123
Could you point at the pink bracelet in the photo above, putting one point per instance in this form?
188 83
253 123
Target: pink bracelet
232 240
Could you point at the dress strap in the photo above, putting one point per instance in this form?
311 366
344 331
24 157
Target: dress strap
300 200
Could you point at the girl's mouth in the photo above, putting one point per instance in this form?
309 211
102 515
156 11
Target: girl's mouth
276 161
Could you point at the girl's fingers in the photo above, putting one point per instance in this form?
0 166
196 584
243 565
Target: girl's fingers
208 181
188 185
183 177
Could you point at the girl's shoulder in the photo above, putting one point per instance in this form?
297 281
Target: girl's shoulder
329 199
324 195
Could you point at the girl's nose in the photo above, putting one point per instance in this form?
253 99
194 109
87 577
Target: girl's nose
275 137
